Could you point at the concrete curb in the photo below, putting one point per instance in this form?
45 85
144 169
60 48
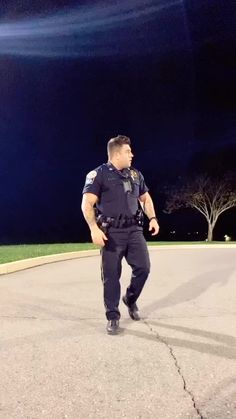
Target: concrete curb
19 265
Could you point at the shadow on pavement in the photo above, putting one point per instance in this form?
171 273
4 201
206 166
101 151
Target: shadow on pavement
191 289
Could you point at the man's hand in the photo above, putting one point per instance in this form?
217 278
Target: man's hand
153 225
98 237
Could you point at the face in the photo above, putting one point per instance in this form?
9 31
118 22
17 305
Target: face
124 156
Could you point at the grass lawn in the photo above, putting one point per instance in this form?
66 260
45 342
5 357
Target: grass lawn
23 251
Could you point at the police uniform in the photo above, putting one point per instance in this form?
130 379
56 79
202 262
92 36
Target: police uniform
117 208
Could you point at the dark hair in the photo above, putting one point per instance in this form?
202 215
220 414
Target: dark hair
116 143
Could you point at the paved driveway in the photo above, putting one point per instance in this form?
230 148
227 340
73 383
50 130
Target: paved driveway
58 362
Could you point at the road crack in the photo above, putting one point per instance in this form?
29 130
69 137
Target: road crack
177 367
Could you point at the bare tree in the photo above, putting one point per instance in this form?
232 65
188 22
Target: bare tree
210 197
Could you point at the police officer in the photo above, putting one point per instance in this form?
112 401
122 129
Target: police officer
112 197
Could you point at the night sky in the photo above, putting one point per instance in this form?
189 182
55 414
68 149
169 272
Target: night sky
74 74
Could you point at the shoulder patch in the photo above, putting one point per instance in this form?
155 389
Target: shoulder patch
91 175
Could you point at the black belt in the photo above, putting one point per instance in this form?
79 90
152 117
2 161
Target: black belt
117 222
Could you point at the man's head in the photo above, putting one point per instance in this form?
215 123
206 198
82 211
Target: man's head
119 152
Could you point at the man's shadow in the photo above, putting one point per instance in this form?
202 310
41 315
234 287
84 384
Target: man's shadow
191 290
226 349
187 292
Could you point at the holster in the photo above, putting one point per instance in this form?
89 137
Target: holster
102 223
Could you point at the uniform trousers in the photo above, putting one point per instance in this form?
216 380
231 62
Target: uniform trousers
129 243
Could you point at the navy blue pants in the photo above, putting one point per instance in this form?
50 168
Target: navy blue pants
129 243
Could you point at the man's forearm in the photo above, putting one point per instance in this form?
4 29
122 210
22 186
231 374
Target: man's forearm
148 208
89 215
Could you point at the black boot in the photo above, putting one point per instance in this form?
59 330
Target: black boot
113 327
132 308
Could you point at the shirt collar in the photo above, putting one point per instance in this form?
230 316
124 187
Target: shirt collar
123 172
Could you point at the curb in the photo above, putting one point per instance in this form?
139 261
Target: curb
19 265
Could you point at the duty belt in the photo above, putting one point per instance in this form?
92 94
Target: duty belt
121 221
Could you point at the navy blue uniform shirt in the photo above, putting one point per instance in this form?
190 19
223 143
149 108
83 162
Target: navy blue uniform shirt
117 190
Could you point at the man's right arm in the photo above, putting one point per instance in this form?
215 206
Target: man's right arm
88 202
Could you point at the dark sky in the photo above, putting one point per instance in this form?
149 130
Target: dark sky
74 74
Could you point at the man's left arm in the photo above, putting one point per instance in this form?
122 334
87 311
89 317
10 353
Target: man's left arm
148 208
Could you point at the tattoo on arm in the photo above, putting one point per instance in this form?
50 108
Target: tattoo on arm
89 214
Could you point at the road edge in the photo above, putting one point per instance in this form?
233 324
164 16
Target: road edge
19 265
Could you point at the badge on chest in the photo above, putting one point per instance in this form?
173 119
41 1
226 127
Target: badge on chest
134 174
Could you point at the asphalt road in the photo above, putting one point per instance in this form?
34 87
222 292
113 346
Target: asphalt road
56 360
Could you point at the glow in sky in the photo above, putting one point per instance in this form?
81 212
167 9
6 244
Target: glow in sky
135 27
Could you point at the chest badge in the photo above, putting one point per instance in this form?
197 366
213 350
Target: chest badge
134 174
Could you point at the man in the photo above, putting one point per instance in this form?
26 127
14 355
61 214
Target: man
118 191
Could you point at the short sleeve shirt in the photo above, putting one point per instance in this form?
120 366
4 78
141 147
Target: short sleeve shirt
117 191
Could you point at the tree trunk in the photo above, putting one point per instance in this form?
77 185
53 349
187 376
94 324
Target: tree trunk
210 232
